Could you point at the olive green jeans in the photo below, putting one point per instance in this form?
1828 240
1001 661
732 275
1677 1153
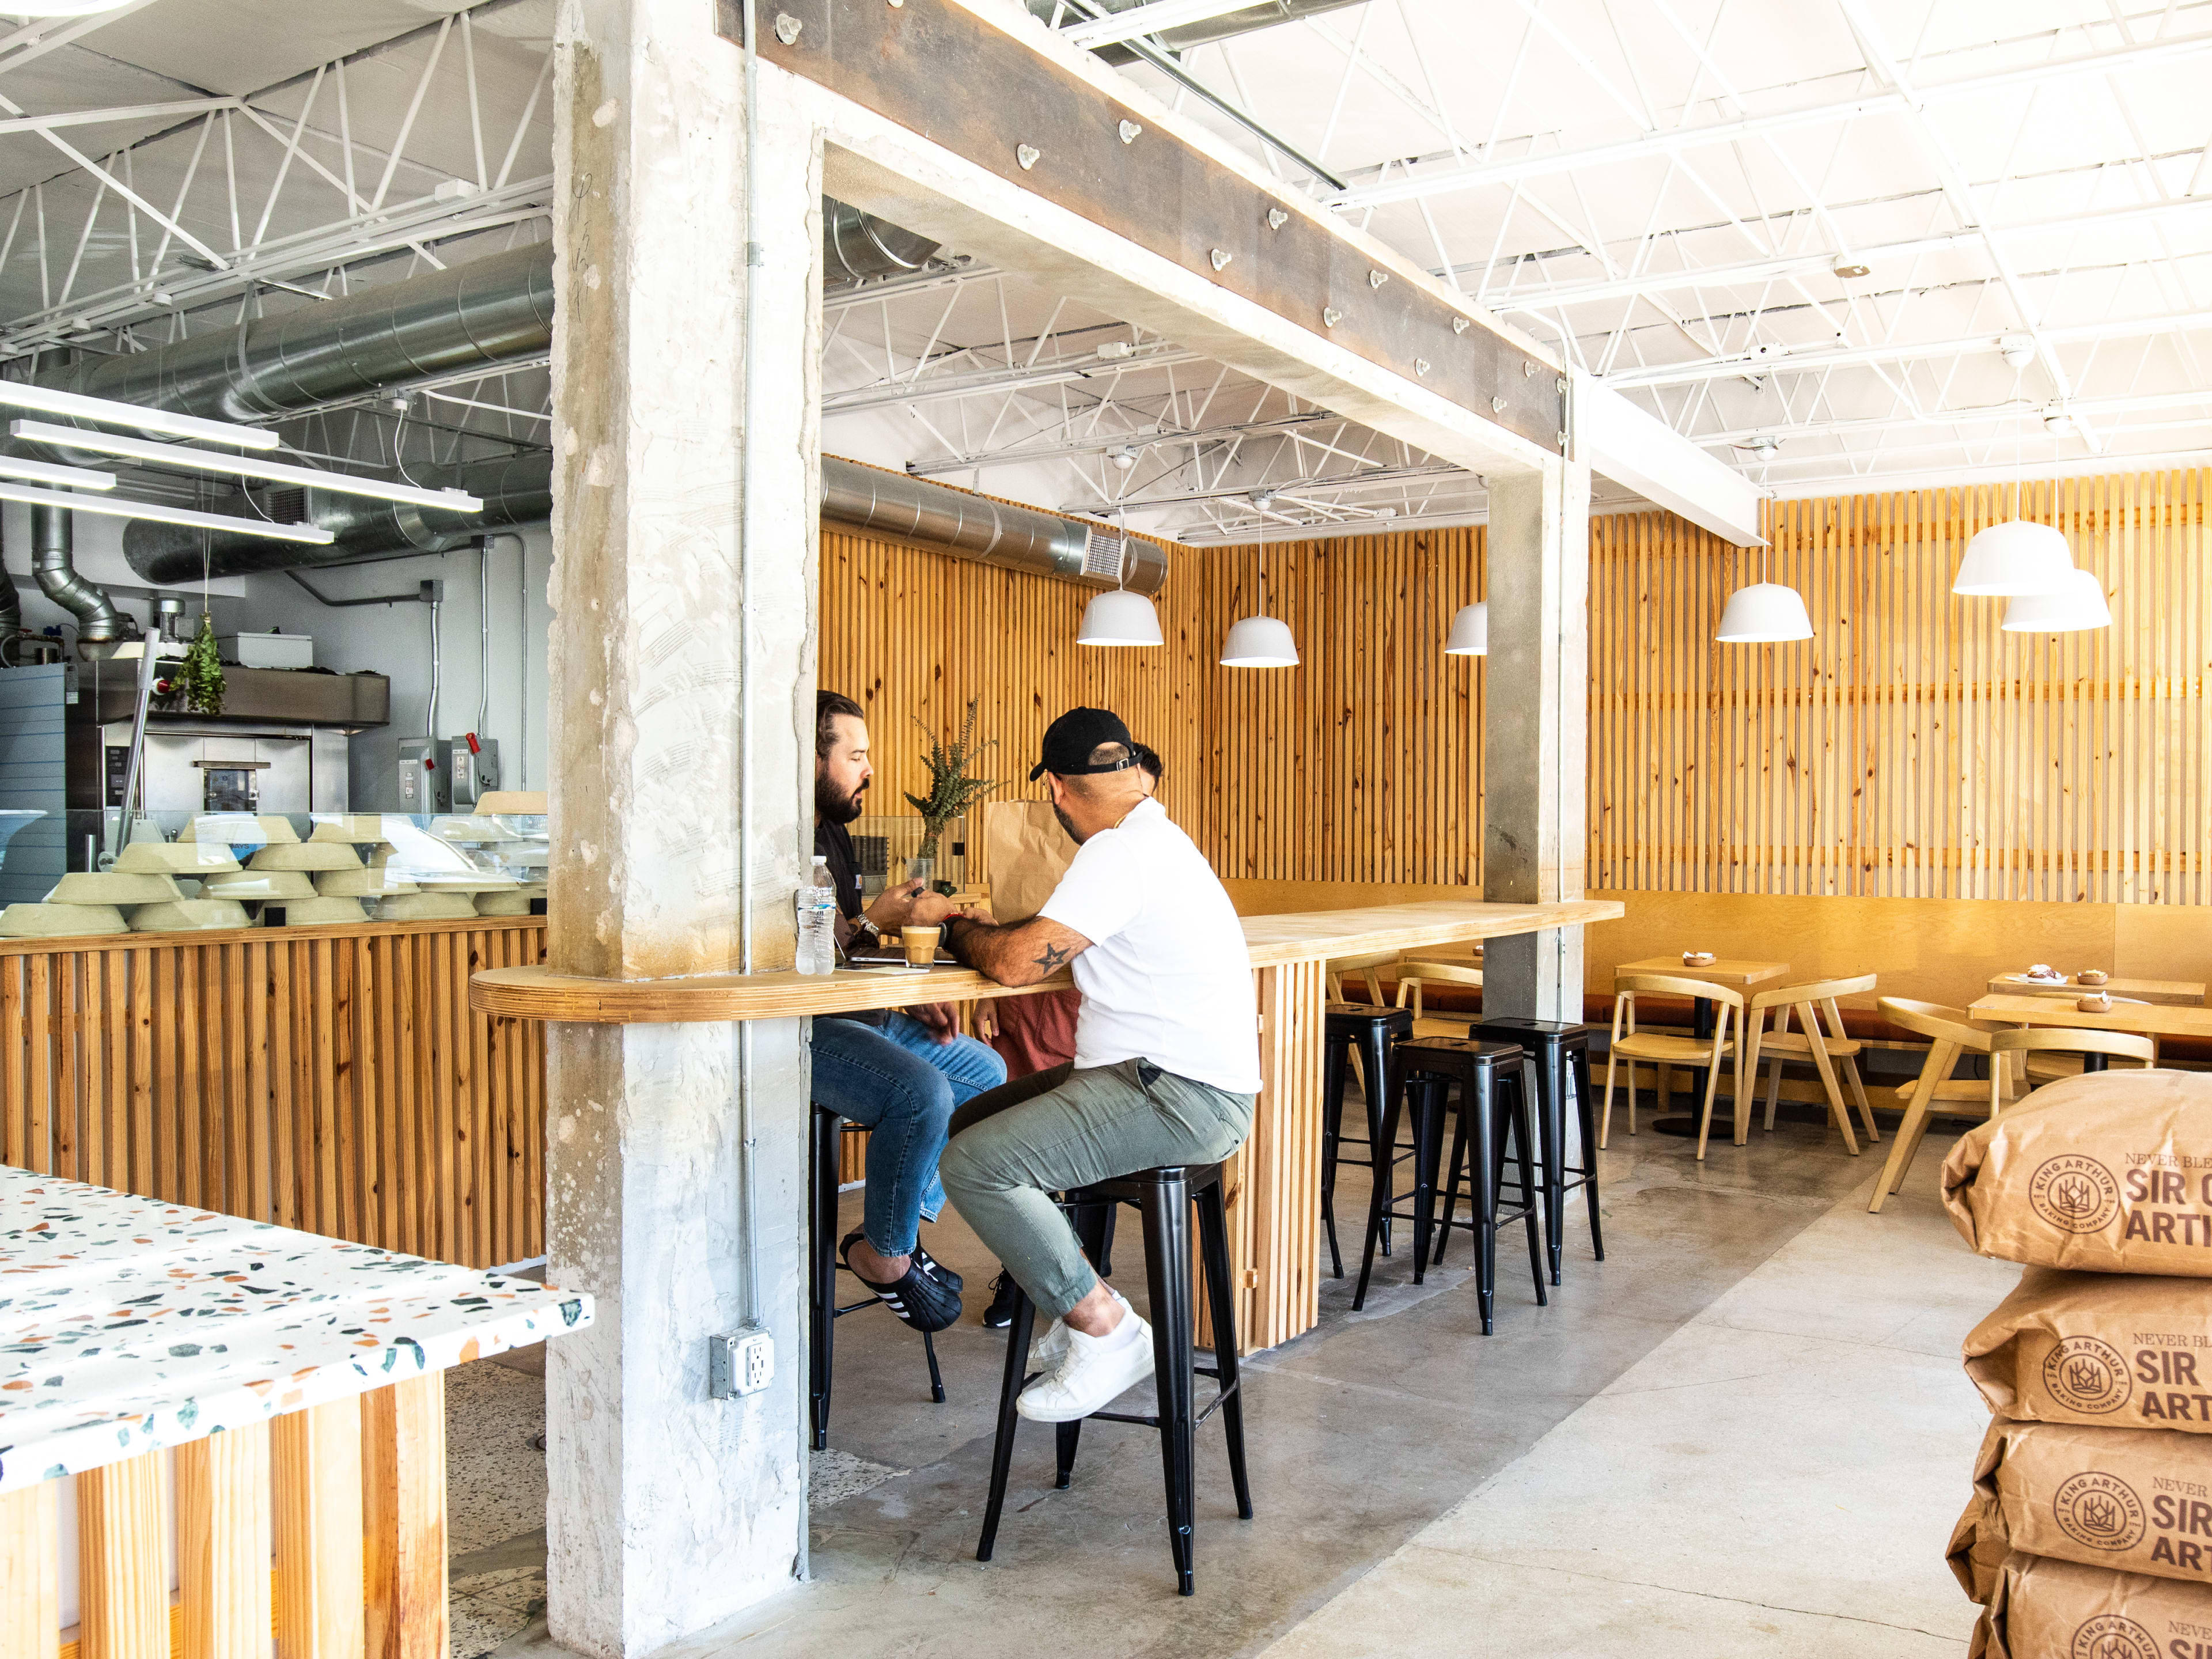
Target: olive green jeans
1013 1146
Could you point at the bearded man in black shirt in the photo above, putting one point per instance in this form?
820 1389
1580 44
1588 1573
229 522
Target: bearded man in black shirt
900 1072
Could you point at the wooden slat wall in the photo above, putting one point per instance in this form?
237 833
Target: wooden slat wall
330 1080
1364 763
1910 749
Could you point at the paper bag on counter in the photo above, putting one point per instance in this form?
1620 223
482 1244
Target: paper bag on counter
2128 1500
2110 1172
1025 853
2043 1609
2112 1350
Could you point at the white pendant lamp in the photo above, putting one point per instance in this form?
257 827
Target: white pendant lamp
1119 617
2014 558
2077 607
1764 613
1260 642
1470 631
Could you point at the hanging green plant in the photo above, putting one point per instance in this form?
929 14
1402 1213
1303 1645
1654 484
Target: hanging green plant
951 791
199 678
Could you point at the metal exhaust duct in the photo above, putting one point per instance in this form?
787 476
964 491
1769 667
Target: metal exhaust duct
481 314
99 627
933 517
856 246
442 322
514 489
939 519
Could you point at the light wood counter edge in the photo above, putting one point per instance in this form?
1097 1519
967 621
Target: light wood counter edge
541 993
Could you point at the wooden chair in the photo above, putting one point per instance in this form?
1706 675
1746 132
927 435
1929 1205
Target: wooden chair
1414 975
1809 1041
1364 967
1663 1052
2066 1040
1951 1032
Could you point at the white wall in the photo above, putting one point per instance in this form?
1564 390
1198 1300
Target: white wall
395 640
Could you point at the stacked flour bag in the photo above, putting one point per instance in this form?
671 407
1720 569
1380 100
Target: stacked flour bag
2089 1532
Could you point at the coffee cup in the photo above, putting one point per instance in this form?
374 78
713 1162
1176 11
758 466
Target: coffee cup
921 945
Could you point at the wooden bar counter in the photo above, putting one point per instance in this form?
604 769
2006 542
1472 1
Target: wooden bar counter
1275 1204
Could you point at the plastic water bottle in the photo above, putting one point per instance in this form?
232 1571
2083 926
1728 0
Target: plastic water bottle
818 923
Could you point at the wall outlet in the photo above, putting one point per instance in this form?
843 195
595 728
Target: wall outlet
739 1363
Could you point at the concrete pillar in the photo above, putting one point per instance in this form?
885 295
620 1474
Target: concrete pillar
1535 733
670 1510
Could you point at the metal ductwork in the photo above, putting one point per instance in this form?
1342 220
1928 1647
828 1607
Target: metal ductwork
520 491
476 314
514 489
943 519
856 246
99 627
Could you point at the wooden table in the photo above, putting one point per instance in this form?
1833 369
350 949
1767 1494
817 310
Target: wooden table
293 1382
1274 1179
1734 972
2172 993
2146 1018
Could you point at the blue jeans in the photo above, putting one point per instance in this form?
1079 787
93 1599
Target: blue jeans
898 1081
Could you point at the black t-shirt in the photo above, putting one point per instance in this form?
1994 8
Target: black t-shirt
834 842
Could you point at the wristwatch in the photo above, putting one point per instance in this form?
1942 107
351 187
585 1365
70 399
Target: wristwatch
874 931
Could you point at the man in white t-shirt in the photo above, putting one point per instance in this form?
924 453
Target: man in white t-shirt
1167 1053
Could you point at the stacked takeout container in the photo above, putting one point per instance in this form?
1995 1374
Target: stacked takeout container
2089 1532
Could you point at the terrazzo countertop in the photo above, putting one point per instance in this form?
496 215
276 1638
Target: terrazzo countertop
127 1324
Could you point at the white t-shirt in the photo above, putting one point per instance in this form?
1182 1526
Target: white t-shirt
1168 977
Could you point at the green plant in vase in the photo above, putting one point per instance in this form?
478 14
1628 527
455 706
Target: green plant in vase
951 790
199 678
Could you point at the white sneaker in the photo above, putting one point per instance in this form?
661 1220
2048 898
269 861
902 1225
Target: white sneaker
1048 1350
1093 1372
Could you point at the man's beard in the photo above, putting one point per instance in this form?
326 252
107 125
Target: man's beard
832 807
1067 823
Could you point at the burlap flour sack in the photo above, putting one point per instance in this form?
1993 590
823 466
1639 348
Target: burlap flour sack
2131 1500
2112 1350
2045 1609
2109 1171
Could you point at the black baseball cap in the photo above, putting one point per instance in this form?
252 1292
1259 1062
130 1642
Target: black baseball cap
1069 740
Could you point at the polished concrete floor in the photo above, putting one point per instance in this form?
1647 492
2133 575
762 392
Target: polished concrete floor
1745 1431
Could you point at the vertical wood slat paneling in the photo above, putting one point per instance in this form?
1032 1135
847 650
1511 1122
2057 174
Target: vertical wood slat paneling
1364 763
293 1077
1910 748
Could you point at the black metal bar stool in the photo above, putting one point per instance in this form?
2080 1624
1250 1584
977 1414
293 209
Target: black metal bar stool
1423 1071
1165 1196
1558 1048
822 1268
1346 1025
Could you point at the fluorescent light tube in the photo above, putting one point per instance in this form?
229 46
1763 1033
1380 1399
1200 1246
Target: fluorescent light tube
244 466
115 507
14 467
21 394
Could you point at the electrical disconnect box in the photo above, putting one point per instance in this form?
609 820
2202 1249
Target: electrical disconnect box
425 785
471 766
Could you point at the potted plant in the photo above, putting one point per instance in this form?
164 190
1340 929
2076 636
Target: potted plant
951 791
